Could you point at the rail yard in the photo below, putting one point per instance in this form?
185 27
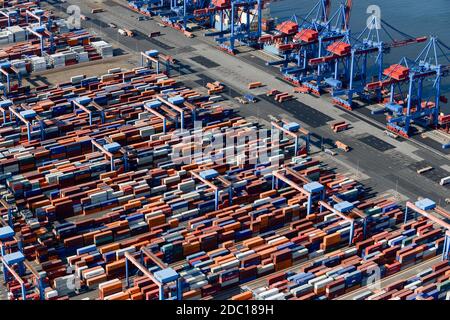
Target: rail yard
201 150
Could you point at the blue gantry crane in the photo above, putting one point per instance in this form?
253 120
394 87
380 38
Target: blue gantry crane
335 31
234 21
302 45
15 267
308 41
237 21
169 282
12 15
183 11
352 67
149 7
176 13
415 89
428 209
9 74
321 54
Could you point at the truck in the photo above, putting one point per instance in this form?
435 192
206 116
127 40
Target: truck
125 32
154 34
330 152
250 98
423 170
97 10
242 100
390 134
444 181
342 146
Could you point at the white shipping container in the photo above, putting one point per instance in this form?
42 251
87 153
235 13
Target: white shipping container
363 295
413 285
51 294
266 268
94 273
444 181
373 296
302 288
317 279
279 296
268 293
322 283
121 252
18 33
107 283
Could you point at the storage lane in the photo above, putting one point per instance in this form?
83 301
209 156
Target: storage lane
404 274
260 282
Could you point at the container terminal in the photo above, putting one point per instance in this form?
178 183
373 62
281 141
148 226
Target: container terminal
201 150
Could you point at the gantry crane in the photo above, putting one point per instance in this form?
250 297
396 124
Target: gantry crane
300 44
410 99
148 7
428 209
234 20
349 59
237 21
309 41
183 11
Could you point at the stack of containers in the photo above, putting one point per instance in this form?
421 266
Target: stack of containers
103 48
334 275
64 285
38 63
70 57
27 51
81 54
145 199
6 37
57 60
18 33
20 65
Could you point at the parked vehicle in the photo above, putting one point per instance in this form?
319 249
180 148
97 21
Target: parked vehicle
97 10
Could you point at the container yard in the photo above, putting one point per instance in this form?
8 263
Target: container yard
203 150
